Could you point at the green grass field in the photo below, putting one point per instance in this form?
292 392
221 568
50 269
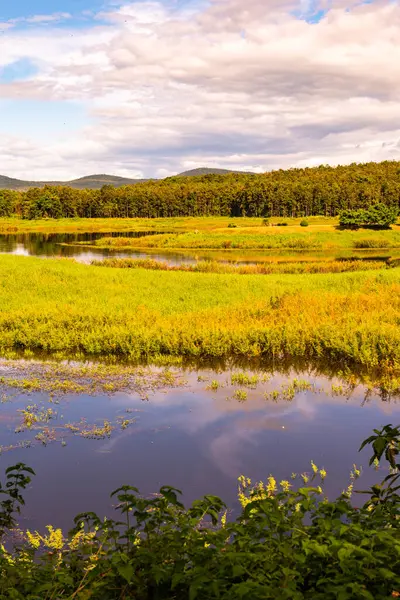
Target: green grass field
13 224
62 306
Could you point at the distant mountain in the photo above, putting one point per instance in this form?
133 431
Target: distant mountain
95 182
207 171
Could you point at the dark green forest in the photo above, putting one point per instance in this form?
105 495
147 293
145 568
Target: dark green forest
322 190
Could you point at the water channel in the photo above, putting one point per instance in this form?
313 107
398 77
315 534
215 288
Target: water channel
78 246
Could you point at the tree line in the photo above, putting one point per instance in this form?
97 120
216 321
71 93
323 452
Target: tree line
322 190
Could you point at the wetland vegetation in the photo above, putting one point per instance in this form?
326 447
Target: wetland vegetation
75 308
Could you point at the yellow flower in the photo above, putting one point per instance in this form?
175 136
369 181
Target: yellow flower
33 539
223 519
271 486
305 477
322 473
314 467
285 485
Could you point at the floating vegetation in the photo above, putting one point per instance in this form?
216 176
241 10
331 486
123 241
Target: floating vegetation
245 380
33 414
214 385
240 395
124 423
289 391
97 432
87 378
46 436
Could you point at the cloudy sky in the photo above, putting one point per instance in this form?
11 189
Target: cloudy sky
151 88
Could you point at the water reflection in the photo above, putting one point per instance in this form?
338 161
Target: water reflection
195 438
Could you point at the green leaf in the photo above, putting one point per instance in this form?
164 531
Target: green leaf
126 571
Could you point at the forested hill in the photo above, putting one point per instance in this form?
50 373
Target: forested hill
94 182
295 192
209 171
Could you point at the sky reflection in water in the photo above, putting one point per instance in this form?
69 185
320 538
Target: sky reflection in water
193 438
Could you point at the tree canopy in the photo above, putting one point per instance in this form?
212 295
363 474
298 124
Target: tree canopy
323 190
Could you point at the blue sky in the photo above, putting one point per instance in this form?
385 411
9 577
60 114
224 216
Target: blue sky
155 87
24 8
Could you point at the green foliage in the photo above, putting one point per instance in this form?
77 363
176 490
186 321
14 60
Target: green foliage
378 216
304 223
292 193
17 479
286 544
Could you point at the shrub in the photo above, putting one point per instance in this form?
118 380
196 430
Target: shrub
266 222
285 543
232 225
282 224
304 223
378 216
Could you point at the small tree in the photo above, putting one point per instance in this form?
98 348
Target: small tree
381 216
378 216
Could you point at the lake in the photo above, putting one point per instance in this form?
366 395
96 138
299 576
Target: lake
197 430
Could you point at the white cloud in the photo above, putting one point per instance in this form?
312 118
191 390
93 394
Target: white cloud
242 85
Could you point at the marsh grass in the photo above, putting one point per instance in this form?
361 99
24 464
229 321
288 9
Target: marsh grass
273 267
253 238
61 307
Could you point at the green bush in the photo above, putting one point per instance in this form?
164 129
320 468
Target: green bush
232 225
285 544
304 223
378 216
282 224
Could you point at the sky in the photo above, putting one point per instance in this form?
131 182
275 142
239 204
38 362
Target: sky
153 88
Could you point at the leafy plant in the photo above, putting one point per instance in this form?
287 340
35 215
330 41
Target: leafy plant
304 223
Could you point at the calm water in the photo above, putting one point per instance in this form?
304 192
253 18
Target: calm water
51 245
191 437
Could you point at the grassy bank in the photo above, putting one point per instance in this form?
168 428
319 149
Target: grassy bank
274 267
252 238
59 305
